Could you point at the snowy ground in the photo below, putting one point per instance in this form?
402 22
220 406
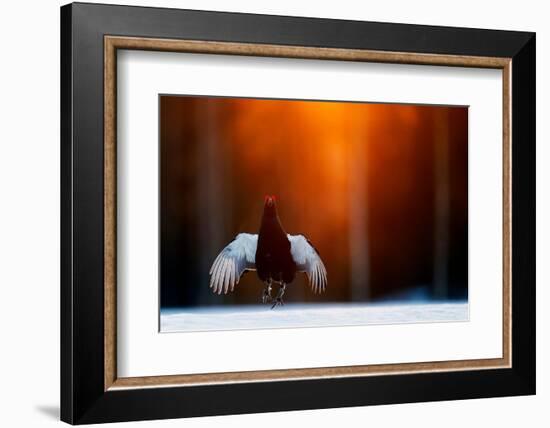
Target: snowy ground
298 315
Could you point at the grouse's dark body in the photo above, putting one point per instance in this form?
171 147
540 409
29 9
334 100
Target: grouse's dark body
273 257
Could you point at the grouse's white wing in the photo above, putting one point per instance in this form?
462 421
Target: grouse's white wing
231 263
307 260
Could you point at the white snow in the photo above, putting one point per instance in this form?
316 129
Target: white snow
301 315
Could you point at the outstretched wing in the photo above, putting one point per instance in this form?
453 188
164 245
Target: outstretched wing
307 260
232 262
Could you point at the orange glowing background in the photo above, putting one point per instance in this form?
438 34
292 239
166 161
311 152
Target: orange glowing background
381 190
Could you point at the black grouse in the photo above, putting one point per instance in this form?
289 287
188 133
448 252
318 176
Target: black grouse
273 254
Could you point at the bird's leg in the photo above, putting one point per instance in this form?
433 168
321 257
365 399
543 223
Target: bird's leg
279 298
266 296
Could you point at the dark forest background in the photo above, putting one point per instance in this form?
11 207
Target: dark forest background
381 190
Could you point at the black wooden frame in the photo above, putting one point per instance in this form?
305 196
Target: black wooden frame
83 399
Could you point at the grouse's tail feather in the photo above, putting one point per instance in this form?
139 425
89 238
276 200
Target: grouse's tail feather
232 262
308 260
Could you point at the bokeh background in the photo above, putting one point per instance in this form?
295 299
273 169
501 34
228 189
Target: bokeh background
381 190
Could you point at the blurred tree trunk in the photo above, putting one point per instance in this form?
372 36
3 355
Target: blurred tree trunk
211 192
358 212
441 204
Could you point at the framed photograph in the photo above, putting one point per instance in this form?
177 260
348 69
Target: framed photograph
266 213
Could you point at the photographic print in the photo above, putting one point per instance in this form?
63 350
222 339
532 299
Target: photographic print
322 208
280 213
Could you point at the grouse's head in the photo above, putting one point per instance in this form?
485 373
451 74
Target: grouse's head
270 206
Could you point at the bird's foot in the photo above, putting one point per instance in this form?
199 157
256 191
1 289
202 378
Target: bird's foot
266 296
279 298
278 302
